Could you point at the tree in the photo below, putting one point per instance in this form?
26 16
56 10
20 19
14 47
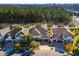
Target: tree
49 32
76 40
33 15
75 31
70 48
26 40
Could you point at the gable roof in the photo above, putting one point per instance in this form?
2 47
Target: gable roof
33 32
43 32
58 33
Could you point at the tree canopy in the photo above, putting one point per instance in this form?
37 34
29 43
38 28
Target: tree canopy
76 40
33 15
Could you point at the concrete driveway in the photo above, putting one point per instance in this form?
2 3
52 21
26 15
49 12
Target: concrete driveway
45 50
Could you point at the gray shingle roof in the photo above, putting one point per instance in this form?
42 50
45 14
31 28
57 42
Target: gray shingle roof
58 33
43 32
33 31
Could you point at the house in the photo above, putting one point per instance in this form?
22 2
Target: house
58 34
43 33
61 34
34 33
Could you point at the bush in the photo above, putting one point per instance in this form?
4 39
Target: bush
27 26
24 37
76 52
17 26
24 43
60 25
17 46
4 25
26 40
1 46
34 45
30 38
72 25
70 48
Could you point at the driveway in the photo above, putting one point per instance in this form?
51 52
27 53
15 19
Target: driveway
59 47
45 50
